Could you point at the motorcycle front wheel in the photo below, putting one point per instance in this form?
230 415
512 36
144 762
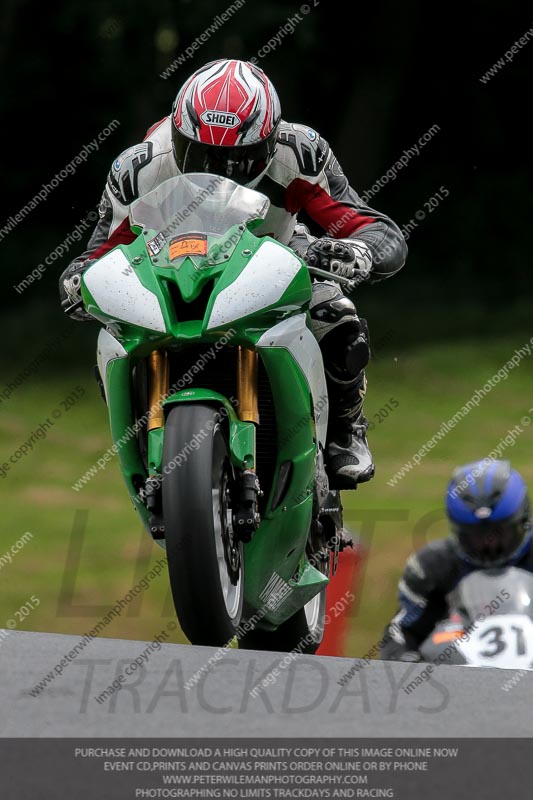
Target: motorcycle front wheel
205 562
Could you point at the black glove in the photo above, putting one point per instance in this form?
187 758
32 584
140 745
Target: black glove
70 290
346 259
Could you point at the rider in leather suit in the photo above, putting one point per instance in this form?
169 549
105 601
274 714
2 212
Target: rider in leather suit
226 120
488 508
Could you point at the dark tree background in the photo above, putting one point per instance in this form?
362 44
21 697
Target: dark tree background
372 78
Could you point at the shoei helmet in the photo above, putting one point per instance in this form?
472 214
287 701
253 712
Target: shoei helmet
225 120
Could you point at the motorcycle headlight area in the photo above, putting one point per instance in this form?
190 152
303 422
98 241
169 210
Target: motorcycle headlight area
119 293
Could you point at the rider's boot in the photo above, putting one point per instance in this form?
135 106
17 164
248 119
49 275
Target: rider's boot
348 457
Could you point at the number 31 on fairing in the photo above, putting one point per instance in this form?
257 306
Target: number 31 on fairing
501 641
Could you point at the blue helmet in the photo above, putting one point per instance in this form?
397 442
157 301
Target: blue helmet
488 507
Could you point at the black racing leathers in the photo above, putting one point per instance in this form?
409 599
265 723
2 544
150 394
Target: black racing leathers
428 578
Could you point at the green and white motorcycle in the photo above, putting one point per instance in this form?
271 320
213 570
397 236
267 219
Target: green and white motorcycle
218 409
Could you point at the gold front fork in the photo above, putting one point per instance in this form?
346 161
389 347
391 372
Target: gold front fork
247 368
157 387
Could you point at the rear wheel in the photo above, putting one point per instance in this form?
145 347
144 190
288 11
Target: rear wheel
205 562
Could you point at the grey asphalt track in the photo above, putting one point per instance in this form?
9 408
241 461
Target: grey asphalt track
304 698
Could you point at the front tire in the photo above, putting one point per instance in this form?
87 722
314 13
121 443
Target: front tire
205 563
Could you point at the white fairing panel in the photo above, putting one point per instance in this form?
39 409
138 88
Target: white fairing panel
294 335
108 349
262 282
120 294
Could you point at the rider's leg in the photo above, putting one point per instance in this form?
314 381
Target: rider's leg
343 339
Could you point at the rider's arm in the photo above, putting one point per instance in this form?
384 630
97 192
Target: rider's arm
322 190
104 236
111 230
427 578
120 191
113 226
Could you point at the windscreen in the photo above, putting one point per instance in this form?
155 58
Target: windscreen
197 202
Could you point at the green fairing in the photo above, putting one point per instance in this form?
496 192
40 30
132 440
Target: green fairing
278 546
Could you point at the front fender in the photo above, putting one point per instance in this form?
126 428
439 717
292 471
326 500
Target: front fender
241 435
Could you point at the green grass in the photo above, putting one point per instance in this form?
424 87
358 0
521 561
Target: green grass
430 384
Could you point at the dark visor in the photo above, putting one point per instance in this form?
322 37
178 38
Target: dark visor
240 164
491 544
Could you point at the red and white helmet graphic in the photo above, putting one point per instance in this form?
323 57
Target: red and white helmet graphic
225 121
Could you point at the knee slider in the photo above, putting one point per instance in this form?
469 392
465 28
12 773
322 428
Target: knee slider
357 355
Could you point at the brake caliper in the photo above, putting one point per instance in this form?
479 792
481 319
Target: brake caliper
246 517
